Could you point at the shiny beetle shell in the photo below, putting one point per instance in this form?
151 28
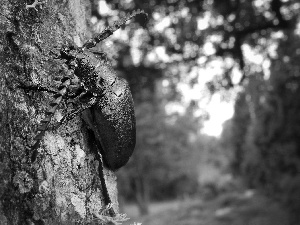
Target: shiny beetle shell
112 117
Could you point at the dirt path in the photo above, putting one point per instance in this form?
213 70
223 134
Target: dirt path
246 208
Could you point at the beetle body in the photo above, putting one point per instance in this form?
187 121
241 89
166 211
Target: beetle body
113 123
112 117
111 113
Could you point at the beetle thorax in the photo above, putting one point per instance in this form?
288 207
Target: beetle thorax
94 72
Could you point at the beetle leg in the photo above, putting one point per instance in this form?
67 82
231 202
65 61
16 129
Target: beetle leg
76 112
62 90
110 30
106 196
95 147
35 88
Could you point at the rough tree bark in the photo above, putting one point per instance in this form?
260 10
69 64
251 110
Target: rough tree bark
62 186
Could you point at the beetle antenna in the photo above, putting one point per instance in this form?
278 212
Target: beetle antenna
111 29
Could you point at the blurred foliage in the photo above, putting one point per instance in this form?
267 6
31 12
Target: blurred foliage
269 154
249 46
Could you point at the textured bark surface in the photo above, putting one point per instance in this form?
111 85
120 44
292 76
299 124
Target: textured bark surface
62 186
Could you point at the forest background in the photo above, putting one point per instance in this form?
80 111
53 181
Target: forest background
245 52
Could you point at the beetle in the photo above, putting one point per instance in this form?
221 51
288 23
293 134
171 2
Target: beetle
111 117
108 110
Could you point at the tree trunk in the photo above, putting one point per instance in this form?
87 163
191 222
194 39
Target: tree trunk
62 186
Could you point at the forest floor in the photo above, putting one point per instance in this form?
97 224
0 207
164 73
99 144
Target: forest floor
246 208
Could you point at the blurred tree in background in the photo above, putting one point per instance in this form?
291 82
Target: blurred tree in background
249 48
